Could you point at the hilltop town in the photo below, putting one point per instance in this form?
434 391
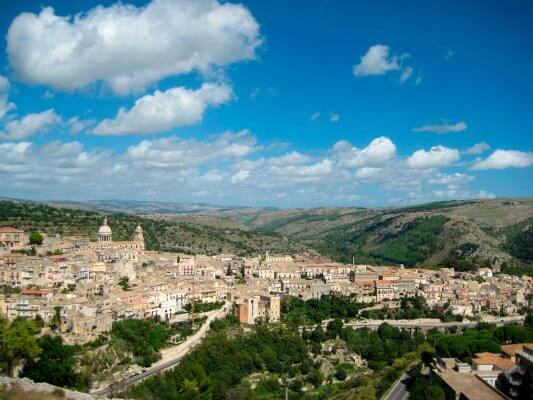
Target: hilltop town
80 287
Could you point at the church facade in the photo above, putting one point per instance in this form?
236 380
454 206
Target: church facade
110 250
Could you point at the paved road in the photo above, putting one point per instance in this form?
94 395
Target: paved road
173 355
409 324
399 391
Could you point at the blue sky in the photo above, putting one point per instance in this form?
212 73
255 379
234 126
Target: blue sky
266 103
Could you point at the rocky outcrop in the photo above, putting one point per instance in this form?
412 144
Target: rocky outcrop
41 390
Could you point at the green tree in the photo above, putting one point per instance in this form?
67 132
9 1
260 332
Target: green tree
55 323
340 373
17 343
36 238
56 364
315 377
124 283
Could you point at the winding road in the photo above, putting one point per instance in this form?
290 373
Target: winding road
399 390
171 356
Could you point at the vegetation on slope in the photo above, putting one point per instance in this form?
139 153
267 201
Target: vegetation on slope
158 234
215 369
519 241
464 234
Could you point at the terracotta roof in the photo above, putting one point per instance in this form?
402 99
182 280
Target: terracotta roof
386 282
493 359
34 292
511 349
10 229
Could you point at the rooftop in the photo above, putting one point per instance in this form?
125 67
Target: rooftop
487 358
511 349
469 385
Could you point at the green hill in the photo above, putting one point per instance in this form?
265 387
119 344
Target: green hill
159 234
463 234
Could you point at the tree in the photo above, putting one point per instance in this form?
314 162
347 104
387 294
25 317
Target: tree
55 323
36 239
334 327
17 343
124 283
340 373
315 377
55 364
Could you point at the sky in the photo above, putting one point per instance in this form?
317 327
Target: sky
266 103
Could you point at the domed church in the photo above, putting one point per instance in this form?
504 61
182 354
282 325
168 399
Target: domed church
105 239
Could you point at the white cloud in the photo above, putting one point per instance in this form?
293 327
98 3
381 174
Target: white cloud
482 194
292 158
437 156
239 176
130 47
369 173
477 148
377 153
77 125
376 61
315 116
29 125
442 128
165 110
501 159
230 168
172 152
451 179
406 73
335 117
5 104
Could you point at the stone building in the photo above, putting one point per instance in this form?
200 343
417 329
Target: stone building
12 238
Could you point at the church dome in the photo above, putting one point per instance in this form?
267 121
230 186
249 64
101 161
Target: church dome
138 229
104 230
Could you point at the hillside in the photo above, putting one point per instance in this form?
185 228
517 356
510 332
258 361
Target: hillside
456 233
159 234
463 234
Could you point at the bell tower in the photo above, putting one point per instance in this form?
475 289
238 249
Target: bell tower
138 234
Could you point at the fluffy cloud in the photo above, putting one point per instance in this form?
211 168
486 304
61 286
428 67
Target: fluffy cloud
129 47
77 125
165 110
29 125
437 156
227 168
501 159
376 61
369 173
377 153
442 128
477 148
5 104
451 179
239 176
174 152
292 158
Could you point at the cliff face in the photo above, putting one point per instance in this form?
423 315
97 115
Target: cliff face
26 389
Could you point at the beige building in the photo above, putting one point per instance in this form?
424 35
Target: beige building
12 238
251 307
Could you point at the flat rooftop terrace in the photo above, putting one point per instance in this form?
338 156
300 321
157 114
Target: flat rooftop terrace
468 384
